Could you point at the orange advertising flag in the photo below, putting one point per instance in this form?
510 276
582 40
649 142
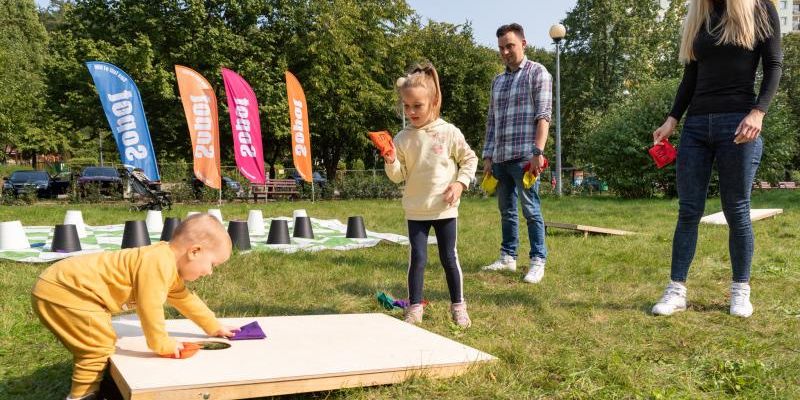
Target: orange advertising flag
200 106
298 117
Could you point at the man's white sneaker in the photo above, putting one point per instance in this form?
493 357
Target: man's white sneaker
740 300
536 272
504 263
673 300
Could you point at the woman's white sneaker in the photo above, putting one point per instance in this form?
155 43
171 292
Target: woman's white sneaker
673 300
740 300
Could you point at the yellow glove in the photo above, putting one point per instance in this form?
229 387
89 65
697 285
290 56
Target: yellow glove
489 184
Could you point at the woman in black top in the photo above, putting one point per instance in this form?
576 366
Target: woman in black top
723 42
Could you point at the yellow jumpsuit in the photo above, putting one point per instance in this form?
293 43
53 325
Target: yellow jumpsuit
76 297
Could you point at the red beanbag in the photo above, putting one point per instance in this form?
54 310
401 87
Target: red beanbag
663 153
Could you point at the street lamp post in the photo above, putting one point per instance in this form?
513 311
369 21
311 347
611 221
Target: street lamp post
557 33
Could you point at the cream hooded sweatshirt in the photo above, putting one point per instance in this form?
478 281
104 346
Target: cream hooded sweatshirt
429 159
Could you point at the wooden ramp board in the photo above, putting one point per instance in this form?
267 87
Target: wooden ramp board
586 229
755 215
300 354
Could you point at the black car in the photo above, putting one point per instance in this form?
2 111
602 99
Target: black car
107 179
230 184
315 176
21 182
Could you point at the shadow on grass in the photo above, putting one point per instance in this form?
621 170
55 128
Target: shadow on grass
640 306
50 382
396 290
241 310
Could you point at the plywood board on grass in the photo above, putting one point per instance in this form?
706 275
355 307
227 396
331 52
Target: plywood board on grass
755 215
586 229
300 354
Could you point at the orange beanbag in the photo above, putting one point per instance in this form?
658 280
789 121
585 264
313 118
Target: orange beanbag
383 141
189 349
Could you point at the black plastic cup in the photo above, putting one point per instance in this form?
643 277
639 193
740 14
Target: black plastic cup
302 228
355 228
240 234
170 224
278 232
135 235
65 239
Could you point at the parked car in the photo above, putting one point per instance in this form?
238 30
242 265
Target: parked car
230 184
320 180
21 182
107 179
591 183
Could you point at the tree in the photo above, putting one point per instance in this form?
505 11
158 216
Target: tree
24 123
345 60
790 84
613 47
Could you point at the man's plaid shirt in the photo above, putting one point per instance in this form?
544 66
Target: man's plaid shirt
519 99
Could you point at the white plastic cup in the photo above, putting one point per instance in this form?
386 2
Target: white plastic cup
216 213
75 217
299 213
12 236
255 223
154 221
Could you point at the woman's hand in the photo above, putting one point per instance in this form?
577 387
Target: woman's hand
749 128
665 130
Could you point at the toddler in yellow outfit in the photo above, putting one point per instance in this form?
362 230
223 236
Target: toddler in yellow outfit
76 297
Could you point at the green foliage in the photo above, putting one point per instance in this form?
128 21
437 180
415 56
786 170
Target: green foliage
781 141
790 82
613 47
24 122
617 147
366 186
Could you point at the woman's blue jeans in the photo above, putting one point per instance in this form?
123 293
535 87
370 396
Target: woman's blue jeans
707 140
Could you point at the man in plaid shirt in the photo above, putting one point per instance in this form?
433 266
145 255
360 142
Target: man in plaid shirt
516 132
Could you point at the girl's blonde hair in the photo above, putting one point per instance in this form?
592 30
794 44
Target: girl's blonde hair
744 24
422 75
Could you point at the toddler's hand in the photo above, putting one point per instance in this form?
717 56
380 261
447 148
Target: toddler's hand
226 331
453 193
178 349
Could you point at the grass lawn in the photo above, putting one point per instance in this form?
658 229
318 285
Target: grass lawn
584 332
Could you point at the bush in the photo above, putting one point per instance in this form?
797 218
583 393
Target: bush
780 140
360 186
618 143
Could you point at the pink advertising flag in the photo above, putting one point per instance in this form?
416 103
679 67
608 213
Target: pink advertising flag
243 108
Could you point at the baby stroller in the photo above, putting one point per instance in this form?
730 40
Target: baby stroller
157 199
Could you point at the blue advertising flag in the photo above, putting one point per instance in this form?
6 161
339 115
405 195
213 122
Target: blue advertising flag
123 107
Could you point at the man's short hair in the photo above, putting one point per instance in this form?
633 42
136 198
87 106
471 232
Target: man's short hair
513 27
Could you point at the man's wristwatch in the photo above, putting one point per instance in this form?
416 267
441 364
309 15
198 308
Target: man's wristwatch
537 151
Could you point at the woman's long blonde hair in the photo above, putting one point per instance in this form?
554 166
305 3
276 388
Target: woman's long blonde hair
744 24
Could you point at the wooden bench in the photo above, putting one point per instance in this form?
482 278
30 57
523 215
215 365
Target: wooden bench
275 188
787 185
764 185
